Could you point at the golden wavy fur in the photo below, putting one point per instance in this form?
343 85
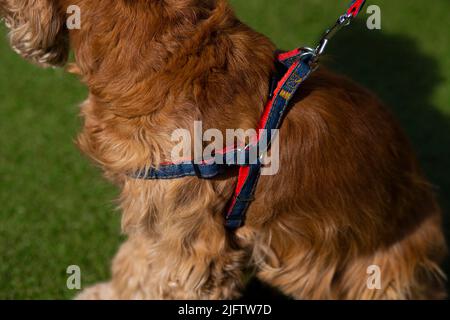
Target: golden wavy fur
349 194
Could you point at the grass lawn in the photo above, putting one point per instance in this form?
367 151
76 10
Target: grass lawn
56 208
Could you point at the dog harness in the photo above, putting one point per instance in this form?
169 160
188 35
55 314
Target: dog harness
292 69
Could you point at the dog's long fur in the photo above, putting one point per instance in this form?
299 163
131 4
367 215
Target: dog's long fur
349 194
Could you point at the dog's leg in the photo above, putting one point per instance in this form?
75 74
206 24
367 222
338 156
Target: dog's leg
407 269
149 269
178 246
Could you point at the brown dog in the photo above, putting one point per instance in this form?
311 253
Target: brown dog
349 194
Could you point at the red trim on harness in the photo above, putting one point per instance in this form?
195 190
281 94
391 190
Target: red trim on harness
244 172
355 8
265 116
287 55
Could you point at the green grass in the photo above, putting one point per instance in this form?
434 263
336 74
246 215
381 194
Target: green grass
56 210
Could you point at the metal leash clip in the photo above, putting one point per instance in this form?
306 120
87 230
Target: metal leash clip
343 21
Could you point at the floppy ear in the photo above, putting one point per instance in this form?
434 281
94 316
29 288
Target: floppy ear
37 30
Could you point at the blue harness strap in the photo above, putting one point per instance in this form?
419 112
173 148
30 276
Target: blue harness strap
299 67
292 69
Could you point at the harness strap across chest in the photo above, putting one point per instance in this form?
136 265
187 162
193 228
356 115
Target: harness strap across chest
292 69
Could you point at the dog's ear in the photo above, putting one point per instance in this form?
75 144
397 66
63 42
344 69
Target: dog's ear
37 30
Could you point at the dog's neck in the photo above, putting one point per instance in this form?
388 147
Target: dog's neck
152 71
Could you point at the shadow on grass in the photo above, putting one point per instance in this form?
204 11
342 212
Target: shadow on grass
404 77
